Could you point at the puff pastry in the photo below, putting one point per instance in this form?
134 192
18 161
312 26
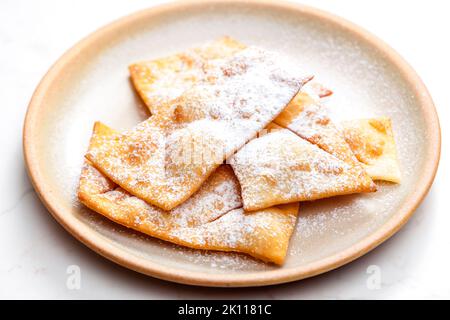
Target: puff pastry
212 219
280 167
166 158
372 142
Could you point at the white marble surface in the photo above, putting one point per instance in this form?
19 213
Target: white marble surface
35 251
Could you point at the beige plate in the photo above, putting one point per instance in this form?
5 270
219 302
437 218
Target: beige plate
90 82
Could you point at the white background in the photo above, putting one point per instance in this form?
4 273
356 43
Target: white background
35 251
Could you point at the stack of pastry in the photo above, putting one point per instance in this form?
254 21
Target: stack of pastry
237 138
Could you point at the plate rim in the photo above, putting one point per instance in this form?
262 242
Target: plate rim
107 249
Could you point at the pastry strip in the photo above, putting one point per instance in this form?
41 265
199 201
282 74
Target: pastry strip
372 141
280 167
164 79
308 118
212 219
166 158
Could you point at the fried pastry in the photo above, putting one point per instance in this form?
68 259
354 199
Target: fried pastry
212 219
280 167
161 80
263 234
308 118
166 158
372 142
164 79
218 195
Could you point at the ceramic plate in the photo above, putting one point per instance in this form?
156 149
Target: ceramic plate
90 82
